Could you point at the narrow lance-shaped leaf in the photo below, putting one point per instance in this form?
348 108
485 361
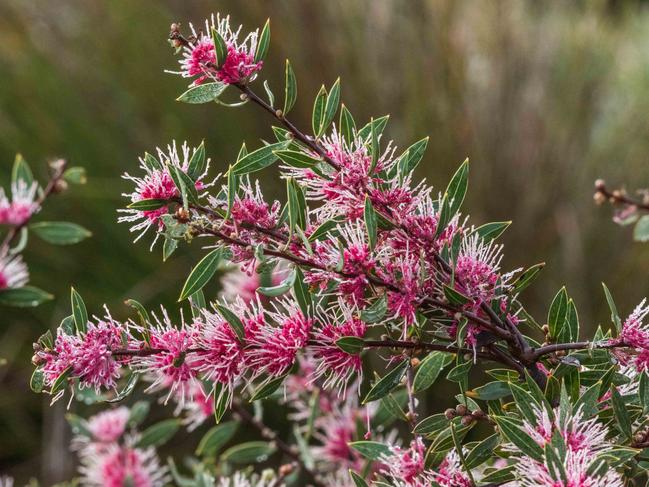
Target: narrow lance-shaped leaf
233 320
258 159
264 43
204 93
79 312
201 274
21 171
374 145
615 316
347 125
457 187
331 106
197 163
24 297
220 48
60 233
388 382
317 119
370 222
429 369
290 93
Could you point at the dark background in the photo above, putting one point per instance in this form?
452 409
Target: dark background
544 97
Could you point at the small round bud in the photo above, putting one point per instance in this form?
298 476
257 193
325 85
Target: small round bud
461 409
457 316
37 360
414 362
449 413
279 113
600 184
546 329
467 420
174 27
478 413
182 215
243 96
59 186
599 198
285 470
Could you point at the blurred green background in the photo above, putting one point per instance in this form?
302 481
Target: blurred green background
543 96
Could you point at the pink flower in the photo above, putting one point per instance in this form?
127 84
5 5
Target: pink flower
22 206
108 426
274 348
172 366
249 207
406 465
157 183
635 333
450 473
123 465
336 365
13 272
197 408
335 432
199 59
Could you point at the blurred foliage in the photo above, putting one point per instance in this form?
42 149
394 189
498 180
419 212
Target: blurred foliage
544 97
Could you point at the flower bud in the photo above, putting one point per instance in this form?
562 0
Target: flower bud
600 184
414 362
285 470
449 413
467 420
461 409
182 215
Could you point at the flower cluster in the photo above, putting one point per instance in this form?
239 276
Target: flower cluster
22 206
109 454
635 335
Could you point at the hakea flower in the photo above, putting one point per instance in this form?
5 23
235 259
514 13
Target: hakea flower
334 364
273 349
237 284
87 356
199 57
578 473
22 206
13 272
108 426
122 465
157 183
406 466
635 334
172 366
404 274
342 190
477 268
266 479
335 431
249 207
450 473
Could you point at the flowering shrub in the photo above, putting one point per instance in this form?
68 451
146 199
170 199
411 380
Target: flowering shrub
17 208
359 261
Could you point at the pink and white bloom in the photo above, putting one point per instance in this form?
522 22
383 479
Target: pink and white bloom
172 367
450 473
635 334
406 466
13 272
157 183
274 349
123 465
108 426
22 206
199 58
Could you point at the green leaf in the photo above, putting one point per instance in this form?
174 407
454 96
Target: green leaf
79 312
297 159
128 388
621 413
220 48
411 157
483 451
643 391
324 229
429 369
143 316
24 297
186 186
269 93
374 146
258 159
588 401
490 391
454 297
201 274
296 205
499 476
376 311
168 248
493 230
61 381
615 316
21 171
557 313
370 222
197 163
387 383
78 425
158 434
249 452
358 480
152 162
457 187
264 43
216 438
301 291
377 123
372 450
391 405
267 388
317 119
525 402
331 107
641 230
233 320
148 205
222 397
75 175
290 93
37 381
204 93
527 277
282 288
347 125
459 372
138 412
514 433
351 344
60 233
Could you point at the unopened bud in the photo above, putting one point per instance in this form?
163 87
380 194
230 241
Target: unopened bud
285 470
414 362
599 198
461 409
457 316
449 413
182 215
478 413
546 329
467 420
37 360
57 164
175 27
59 186
600 184
639 438
279 113
243 96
